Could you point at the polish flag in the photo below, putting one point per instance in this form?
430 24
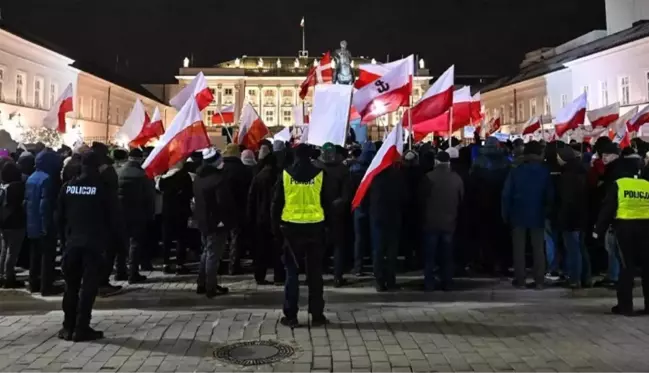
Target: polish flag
439 125
322 73
133 126
369 72
462 107
476 108
226 116
197 88
152 129
571 116
386 94
185 135
55 118
622 128
389 153
533 124
251 129
437 99
604 116
494 126
639 119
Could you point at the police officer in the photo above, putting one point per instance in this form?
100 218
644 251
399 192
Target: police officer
299 209
626 207
87 220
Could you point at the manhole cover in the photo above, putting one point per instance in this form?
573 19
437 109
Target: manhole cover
254 352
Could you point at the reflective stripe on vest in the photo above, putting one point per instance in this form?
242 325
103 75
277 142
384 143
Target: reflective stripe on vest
632 199
302 200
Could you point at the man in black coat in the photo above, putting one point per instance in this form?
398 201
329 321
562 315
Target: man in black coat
137 199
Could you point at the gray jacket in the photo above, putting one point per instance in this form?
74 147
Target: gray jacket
441 192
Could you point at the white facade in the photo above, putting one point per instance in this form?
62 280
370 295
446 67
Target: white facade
32 77
621 14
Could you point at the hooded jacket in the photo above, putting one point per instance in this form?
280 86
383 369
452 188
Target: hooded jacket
14 214
441 192
136 193
41 191
527 194
215 204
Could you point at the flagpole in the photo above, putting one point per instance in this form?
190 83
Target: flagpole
450 126
303 36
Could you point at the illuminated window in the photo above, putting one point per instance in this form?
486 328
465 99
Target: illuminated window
510 116
21 78
548 109
288 114
54 93
586 91
269 116
82 108
520 114
532 107
101 111
252 92
93 109
38 92
603 93
625 90
227 91
118 116
501 114
564 100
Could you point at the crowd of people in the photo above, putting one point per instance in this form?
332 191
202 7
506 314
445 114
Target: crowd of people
447 208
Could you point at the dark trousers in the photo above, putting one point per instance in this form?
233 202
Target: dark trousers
81 268
174 229
115 255
519 243
208 269
137 240
361 238
633 252
436 244
41 267
236 249
308 241
385 246
268 254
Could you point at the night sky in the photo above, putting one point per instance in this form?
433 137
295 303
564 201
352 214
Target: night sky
479 36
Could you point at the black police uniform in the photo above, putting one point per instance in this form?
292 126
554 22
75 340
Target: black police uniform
88 218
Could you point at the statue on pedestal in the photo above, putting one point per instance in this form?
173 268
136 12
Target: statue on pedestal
343 72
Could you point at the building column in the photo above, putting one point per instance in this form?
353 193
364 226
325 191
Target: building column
261 99
279 105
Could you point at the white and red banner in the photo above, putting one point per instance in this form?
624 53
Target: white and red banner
330 114
197 89
369 72
389 153
151 129
639 119
319 74
251 129
622 128
437 100
299 116
604 116
185 135
571 116
55 118
533 124
134 124
493 126
387 93
225 116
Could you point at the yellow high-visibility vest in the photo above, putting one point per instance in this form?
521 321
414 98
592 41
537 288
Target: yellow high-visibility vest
302 200
632 199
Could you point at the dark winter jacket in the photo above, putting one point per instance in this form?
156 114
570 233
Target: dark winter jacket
261 194
357 171
26 163
441 192
527 194
177 192
215 207
88 213
338 177
386 197
13 208
136 194
487 178
572 197
41 191
238 178
72 168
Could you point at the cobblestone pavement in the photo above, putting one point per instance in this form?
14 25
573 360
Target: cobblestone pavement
486 326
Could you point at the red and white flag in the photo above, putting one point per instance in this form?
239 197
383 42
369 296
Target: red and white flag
462 107
389 153
494 126
369 72
152 129
133 125
185 135
437 99
639 119
319 74
476 108
622 128
251 129
197 89
387 93
604 116
226 115
533 124
55 118
571 116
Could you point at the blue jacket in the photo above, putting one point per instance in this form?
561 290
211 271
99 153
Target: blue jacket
527 194
41 191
